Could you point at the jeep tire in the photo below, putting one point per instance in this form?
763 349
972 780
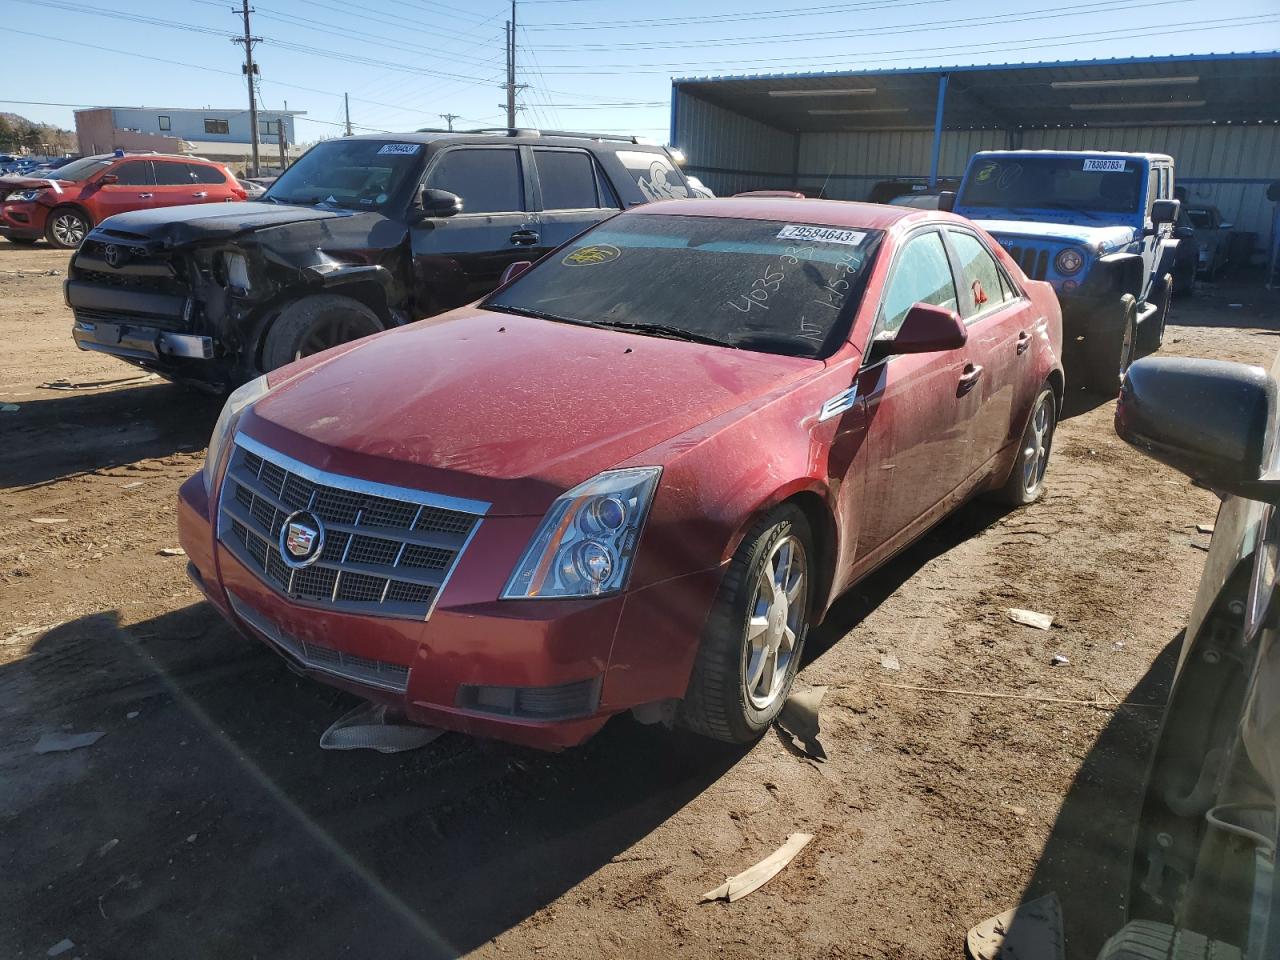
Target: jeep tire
313 324
1151 333
1109 347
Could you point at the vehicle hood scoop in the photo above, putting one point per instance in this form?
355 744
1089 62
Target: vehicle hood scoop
502 408
199 222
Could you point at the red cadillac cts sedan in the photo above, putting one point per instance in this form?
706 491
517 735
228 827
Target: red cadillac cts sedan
634 476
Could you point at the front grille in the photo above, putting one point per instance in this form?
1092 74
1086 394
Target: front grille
128 319
387 550
1034 263
376 673
139 282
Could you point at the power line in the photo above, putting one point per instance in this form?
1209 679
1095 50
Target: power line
662 22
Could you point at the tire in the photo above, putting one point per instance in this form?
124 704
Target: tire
1147 940
1026 479
313 324
723 702
1151 333
67 228
1184 283
1109 351
24 241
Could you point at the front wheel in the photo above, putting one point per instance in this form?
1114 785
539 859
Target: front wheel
1026 479
67 228
1109 348
1151 333
754 637
313 324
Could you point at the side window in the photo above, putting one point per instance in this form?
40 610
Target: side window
163 121
1153 188
135 173
488 181
568 179
217 126
920 275
981 286
654 175
201 173
172 174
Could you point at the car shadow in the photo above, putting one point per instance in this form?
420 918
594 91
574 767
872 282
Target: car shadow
213 802
63 433
1085 860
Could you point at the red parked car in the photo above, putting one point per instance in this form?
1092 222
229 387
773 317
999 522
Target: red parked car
78 196
634 476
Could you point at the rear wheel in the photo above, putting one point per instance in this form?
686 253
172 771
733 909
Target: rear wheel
67 228
1151 333
1109 351
751 649
314 324
1026 480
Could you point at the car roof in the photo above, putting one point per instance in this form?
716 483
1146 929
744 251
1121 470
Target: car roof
827 213
519 135
1127 154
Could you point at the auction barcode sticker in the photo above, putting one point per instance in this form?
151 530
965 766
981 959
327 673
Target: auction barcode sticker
822 234
400 148
1098 165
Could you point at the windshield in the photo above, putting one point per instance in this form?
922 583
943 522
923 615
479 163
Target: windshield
359 174
83 169
756 284
1109 185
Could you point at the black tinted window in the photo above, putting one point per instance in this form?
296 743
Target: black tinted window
203 174
135 173
172 174
488 181
568 179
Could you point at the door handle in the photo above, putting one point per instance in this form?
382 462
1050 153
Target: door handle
200 196
524 237
1024 341
971 375
145 196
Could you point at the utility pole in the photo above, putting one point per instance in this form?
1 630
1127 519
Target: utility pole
449 118
511 68
250 70
284 157
346 106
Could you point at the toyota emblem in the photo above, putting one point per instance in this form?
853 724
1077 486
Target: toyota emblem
115 256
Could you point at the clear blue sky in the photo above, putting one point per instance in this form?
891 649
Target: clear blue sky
600 65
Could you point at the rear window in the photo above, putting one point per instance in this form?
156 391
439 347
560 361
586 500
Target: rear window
1105 184
172 174
654 174
754 284
203 173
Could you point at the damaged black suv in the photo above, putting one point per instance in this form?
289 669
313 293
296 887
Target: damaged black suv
361 234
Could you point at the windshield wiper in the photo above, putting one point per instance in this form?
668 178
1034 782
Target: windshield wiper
536 314
663 330
1062 205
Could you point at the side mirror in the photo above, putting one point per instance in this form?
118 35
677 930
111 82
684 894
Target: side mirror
1165 211
108 178
925 329
1208 419
514 270
946 200
440 203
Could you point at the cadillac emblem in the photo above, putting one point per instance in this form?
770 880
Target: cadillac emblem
301 539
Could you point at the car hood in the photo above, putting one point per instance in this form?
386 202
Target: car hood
506 409
1112 235
17 182
199 222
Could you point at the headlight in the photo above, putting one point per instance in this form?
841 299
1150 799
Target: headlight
237 269
236 404
27 195
585 543
1069 261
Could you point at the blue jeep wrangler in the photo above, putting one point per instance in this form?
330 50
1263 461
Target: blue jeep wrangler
1098 226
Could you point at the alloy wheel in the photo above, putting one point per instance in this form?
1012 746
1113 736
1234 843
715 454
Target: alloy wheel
68 229
1035 453
329 332
776 623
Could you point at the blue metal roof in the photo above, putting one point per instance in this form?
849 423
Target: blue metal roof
1232 87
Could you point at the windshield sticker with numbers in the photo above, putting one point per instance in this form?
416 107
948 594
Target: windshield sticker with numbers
402 149
851 238
1100 165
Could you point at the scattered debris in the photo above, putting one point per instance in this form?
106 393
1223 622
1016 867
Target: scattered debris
1029 618
1029 930
192 838
1204 528
890 662
171 552
751 880
107 847
95 384
130 486
1199 546
1059 660
799 718
374 726
50 520
59 948
62 742
8 407
1016 810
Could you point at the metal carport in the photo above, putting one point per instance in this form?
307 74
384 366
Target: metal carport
1218 115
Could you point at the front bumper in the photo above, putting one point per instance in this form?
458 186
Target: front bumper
22 220
546 674
139 342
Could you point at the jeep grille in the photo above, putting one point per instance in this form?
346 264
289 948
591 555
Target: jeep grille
1034 263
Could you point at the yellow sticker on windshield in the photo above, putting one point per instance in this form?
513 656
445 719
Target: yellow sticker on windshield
596 253
986 172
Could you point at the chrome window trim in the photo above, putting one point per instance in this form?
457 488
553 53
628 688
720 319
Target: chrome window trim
912 234
1021 294
356 484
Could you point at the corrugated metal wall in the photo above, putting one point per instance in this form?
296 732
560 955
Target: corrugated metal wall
729 152
1220 152
850 163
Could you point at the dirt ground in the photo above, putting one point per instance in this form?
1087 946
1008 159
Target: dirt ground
208 823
